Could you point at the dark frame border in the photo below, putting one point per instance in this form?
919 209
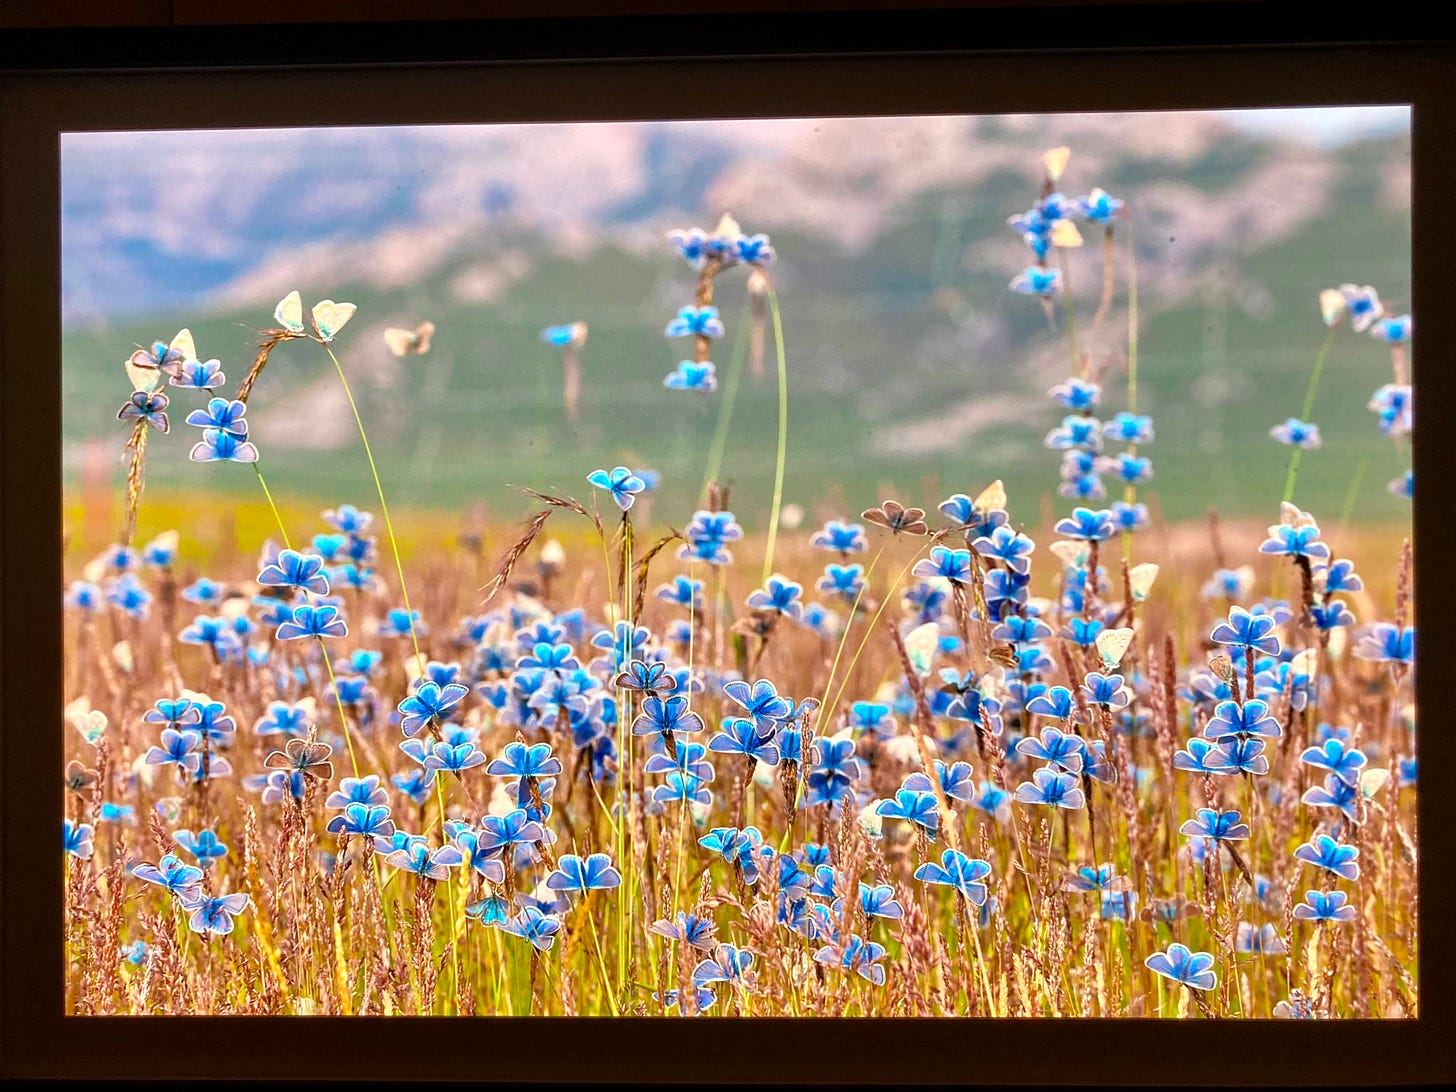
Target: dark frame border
795 77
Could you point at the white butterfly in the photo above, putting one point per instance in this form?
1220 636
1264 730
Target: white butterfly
1065 234
169 808
921 644
149 368
1073 555
328 317
1372 781
289 313
1112 645
1293 516
1140 579
91 723
991 498
402 342
1055 161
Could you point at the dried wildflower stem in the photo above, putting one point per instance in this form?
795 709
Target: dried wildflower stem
343 715
1308 408
825 707
137 447
513 555
271 340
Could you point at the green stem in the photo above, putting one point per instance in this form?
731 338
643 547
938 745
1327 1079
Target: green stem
1352 493
1130 493
1314 378
1132 322
1070 312
778 495
383 505
737 356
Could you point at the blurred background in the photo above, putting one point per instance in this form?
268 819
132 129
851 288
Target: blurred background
913 371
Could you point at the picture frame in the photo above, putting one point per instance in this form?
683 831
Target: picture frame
904 62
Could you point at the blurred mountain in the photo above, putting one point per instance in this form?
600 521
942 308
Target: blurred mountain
911 365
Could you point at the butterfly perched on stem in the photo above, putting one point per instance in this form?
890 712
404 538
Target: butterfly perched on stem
328 317
79 779
306 756
897 518
149 368
403 342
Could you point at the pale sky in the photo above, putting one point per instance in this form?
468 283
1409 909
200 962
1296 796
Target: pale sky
1328 126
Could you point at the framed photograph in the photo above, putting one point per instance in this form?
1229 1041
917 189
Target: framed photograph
878 548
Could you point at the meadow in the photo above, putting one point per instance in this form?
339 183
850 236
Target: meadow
943 753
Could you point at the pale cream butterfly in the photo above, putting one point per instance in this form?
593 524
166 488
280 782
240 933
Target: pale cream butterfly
145 771
1140 579
1055 161
887 693
165 543
289 313
1372 781
329 318
1112 645
121 653
904 749
169 808
91 723
1293 516
414 668
1065 234
553 555
1071 554
149 368
921 644
991 498
1331 305
870 820
403 342
1305 662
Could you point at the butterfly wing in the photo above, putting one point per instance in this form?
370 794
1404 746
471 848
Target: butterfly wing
184 345
921 644
1112 645
400 342
289 313
144 374
329 317
235 903
1055 161
991 498
423 332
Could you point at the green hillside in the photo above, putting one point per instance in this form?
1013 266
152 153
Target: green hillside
877 342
